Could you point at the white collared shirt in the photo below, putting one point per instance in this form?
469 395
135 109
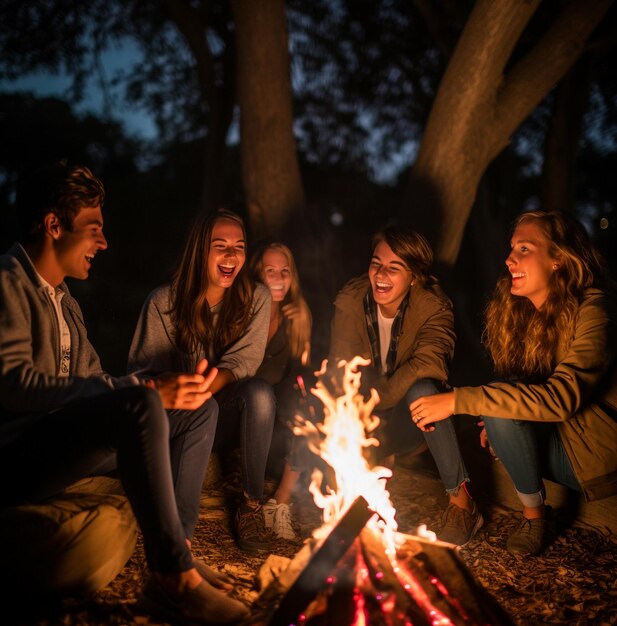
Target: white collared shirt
55 296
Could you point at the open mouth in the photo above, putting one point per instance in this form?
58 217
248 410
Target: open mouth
517 276
90 258
226 270
382 287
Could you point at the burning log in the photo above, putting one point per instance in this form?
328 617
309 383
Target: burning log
356 584
358 570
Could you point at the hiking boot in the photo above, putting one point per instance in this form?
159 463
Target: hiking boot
532 536
458 526
251 532
203 605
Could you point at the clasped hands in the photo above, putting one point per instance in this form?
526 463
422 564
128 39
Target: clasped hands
185 391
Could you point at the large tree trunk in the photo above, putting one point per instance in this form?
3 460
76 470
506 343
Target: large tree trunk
271 175
478 106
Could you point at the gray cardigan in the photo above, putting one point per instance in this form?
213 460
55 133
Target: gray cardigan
29 349
153 349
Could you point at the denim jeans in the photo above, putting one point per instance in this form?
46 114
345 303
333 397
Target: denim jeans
529 451
161 461
246 418
401 435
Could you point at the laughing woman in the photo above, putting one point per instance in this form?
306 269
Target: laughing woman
287 351
212 309
550 330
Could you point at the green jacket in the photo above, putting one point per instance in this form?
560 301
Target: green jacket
580 395
426 342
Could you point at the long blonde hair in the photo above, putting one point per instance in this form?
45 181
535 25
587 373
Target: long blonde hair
298 330
523 341
189 307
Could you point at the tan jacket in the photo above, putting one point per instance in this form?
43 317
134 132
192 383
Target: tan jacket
426 342
580 394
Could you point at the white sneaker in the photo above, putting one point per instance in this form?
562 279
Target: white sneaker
283 523
269 509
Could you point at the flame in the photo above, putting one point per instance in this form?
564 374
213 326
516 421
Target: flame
340 440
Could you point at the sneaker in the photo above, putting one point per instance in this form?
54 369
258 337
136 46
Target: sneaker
251 531
532 536
269 509
202 605
458 526
278 519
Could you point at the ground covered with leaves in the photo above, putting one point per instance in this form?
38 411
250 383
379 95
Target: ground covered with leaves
573 582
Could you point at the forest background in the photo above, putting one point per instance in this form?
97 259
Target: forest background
319 121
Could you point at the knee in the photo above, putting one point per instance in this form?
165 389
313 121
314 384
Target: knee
502 428
259 397
143 408
423 387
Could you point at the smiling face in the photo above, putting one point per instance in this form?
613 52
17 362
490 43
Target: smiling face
390 279
226 258
75 248
276 274
530 264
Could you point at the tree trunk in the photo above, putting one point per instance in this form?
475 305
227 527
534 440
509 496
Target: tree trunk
270 171
478 106
216 95
558 183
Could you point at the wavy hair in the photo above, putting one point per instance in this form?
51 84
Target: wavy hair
524 341
298 330
60 188
190 309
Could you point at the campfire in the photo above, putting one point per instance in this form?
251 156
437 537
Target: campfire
358 570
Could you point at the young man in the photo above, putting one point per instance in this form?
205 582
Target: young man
63 418
398 317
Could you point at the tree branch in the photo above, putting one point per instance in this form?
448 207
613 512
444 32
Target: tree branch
189 22
534 75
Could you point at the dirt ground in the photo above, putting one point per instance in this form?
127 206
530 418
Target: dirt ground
573 582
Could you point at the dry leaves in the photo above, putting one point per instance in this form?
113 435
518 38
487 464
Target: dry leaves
574 582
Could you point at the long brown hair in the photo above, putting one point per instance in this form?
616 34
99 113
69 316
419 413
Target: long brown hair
522 340
189 307
298 330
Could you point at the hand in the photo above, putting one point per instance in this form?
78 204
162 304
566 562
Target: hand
428 409
484 442
294 312
186 391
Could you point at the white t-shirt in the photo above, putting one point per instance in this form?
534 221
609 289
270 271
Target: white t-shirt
385 334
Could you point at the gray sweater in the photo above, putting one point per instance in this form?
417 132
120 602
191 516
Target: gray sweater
153 349
29 349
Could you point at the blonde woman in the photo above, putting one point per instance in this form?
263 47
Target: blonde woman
288 349
550 330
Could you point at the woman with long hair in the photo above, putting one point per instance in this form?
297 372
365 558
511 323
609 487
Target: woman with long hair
550 331
287 352
212 309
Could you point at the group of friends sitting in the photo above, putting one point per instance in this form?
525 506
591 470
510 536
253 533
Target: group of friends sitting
213 363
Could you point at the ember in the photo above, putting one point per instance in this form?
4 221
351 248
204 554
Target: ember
358 570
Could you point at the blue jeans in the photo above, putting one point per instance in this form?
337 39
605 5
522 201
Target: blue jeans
529 451
402 435
161 460
246 418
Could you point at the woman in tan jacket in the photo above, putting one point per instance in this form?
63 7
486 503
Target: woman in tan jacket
550 330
